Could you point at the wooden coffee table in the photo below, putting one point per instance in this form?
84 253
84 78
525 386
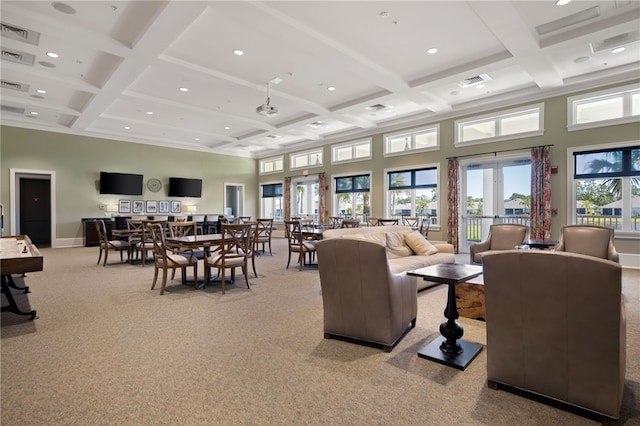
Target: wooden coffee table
450 349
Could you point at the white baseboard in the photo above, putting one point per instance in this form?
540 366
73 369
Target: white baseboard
69 242
628 260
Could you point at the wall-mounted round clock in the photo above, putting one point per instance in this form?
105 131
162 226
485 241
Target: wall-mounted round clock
154 185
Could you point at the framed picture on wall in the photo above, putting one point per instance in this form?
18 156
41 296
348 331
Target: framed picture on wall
138 206
175 207
163 206
152 206
124 206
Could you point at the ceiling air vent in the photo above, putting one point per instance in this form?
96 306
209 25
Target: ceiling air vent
615 41
19 57
378 107
476 79
15 110
5 84
20 34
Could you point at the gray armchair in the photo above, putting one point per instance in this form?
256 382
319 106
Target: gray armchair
556 327
362 299
591 240
502 236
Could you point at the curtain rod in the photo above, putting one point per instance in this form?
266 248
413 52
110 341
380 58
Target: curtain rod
496 152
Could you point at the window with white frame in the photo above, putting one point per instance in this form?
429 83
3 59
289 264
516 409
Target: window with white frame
423 139
604 108
271 201
271 165
413 192
353 196
301 160
510 124
352 151
606 186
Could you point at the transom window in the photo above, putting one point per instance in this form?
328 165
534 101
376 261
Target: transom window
604 108
305 159
271 165
424 139
352 151
511 124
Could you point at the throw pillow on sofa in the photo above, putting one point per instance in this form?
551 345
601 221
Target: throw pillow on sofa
396 245
419 244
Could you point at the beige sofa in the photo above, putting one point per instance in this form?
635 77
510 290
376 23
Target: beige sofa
400 256
556 327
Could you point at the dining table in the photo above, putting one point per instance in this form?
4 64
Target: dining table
194 242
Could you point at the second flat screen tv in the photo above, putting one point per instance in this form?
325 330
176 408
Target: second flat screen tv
184 187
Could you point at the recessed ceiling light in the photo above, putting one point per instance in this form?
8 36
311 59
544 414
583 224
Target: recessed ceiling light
150 112
619 49
238 52
41 91
184 89
52 55
197 139
562 2
581 59
432 51
479 86
64 8
227 128
331 88
47 64
33 113
127 127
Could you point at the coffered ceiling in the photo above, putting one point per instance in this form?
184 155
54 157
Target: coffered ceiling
334 70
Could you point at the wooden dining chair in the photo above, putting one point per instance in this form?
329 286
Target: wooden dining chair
262 234
106 244
424 226
350 223
234 253
297 243
412 222
165 258
384 222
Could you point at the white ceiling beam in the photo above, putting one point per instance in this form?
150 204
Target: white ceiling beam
506 24
169 24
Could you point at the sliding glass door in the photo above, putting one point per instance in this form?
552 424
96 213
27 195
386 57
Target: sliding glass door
493 191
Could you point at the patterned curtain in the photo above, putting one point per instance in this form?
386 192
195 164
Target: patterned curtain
322 214
541 193
453 202
287 198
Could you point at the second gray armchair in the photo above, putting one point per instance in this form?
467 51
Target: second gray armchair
502 236
592 240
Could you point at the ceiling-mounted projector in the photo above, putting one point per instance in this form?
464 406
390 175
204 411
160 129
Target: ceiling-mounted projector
267 110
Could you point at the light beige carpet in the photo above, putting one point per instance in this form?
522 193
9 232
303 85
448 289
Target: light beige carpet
108 350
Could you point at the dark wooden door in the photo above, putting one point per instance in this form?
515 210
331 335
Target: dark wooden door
35 210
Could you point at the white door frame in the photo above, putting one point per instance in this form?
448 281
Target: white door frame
241 198
14 194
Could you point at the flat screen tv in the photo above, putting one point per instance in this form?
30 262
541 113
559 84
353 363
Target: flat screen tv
120 183
184 187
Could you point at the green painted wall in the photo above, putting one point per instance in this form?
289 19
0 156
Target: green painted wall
78 160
